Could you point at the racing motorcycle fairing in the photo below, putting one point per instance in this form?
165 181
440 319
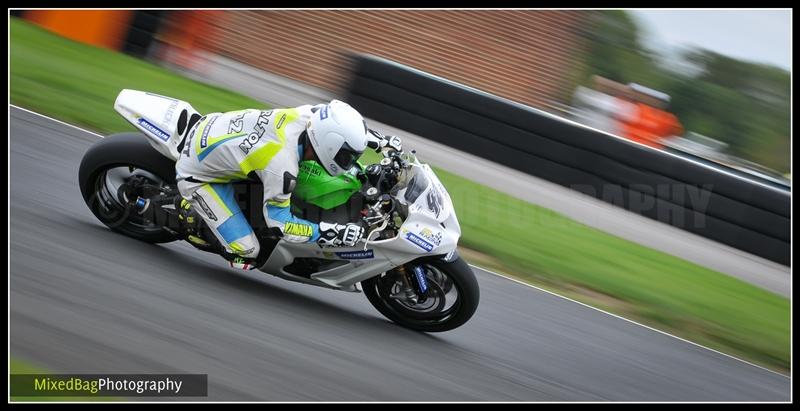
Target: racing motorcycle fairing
165 121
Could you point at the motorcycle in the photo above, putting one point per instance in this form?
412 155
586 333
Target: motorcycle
407 265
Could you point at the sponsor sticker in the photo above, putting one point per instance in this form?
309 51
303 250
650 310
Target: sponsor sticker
356 255
153 129
304 167
280 121
419 272
258 131
303 230
206 129
236 124
428 234
323 114
204 206
170 111
419 242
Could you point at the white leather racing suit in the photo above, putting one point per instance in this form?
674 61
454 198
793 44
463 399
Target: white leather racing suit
226 147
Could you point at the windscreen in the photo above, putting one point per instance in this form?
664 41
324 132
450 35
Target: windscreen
416 186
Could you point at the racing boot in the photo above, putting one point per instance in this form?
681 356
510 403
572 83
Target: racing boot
237 261
190 223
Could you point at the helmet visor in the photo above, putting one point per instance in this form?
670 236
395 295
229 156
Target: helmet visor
346 157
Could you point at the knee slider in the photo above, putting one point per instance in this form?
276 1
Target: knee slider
246 246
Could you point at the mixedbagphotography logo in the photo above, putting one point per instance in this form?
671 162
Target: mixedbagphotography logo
109 385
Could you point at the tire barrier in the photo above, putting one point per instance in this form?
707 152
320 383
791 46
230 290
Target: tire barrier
722 206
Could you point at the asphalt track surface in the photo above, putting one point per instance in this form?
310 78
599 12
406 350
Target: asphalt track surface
86 300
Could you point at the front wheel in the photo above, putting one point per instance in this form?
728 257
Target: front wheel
451 299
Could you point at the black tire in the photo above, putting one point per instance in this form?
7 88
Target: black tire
464 282
123 150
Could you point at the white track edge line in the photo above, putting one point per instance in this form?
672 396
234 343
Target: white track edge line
502 275
56 120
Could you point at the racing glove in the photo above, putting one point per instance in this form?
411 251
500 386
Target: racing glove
381 142
392 142
339 235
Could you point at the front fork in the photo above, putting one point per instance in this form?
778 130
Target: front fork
415 284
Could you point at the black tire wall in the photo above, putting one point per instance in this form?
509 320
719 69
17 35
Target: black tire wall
745 214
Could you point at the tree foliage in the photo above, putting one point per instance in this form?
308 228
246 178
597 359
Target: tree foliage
744 104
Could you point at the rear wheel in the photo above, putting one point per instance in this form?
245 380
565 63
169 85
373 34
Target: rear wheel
451 299
114 173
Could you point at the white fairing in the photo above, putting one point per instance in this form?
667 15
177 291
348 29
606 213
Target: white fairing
431 226
164 120
431 229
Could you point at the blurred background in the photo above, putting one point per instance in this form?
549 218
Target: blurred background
712 86
629 73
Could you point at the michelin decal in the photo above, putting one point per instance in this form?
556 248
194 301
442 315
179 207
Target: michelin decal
356 255
153 129
419 242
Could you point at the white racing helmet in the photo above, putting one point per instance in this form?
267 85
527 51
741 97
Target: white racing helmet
338 135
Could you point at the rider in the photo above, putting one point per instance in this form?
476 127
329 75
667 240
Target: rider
226 147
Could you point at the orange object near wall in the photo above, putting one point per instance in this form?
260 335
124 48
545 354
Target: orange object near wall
104 28
186 32
650 125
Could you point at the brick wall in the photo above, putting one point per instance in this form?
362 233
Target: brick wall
526 56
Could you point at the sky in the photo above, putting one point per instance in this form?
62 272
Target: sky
763 36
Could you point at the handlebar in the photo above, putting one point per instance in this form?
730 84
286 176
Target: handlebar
380 205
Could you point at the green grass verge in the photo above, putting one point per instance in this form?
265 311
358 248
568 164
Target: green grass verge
546 248
78 84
